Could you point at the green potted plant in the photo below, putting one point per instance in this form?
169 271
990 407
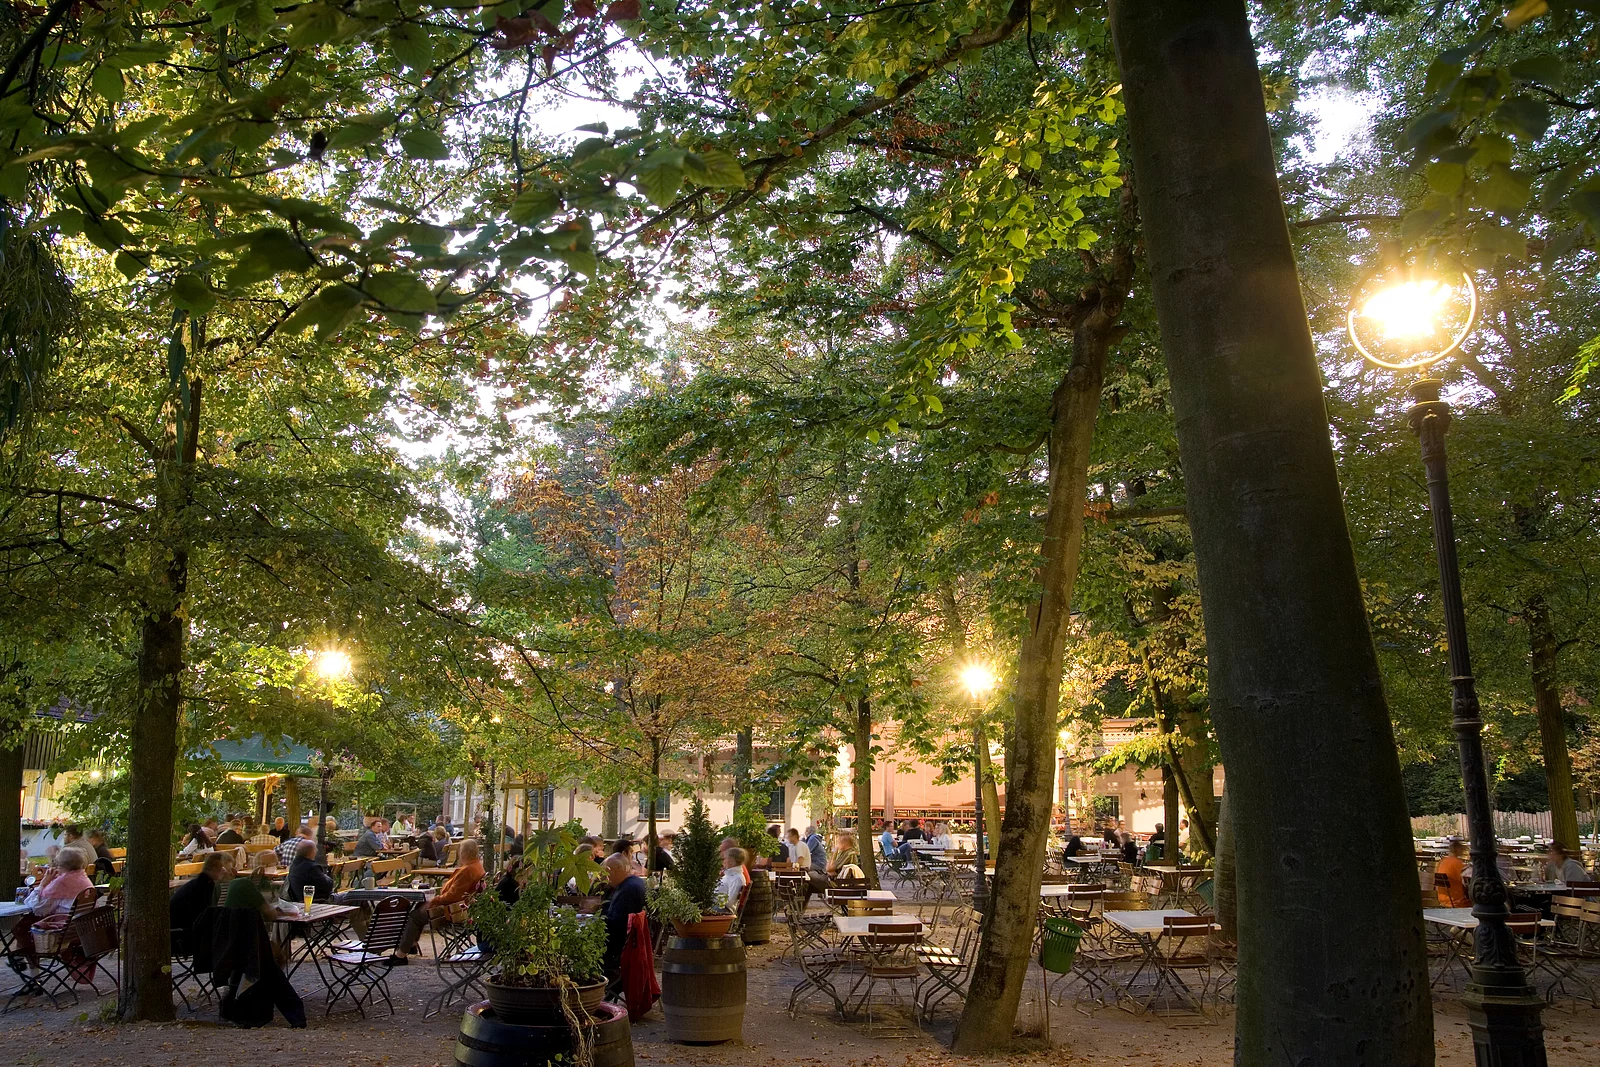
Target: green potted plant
749 827
545 961
696 870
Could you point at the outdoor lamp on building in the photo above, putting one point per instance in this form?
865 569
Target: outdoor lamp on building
1406 320
979 682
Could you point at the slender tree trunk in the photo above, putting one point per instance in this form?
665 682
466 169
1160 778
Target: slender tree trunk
956 631
743 758
10 814
1552 724
611 820
1224 890
1169 813
1315 792
1000 971
293 813
861 781
991 791
655 791
1193 770
153 740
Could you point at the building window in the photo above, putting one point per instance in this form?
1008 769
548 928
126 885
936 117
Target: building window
663 806
546 800
775 807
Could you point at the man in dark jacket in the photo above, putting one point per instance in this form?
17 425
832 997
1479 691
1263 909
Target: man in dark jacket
198 893
626 896
304 870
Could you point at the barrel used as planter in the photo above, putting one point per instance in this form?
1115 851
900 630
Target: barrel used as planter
485 1041
540 1005
703 989
755 928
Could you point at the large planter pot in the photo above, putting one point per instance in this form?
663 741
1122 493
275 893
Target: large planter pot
540 1005
703 989
710 927
486 1040
756 927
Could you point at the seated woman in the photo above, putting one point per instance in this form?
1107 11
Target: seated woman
941 837
196 840
735 879
50 903
845 854
1563 866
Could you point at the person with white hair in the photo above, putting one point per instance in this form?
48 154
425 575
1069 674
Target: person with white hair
50 903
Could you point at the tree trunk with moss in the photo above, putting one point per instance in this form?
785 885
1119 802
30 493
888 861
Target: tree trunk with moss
1314 788
1552 723
1000 970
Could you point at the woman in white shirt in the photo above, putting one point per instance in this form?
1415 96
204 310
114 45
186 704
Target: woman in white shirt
734 877
941 839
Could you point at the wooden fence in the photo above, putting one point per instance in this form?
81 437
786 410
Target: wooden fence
1506 824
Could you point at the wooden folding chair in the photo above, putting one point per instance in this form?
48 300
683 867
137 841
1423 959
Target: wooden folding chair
888 958
359 973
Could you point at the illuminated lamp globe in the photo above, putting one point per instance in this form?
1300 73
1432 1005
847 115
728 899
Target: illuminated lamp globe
333 664
978 679
1403 321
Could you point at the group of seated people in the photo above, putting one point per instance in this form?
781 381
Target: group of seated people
1561 864
900 846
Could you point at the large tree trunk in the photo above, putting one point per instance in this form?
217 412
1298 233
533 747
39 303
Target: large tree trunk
10 814
611 818
153 738
861 782
1314 786
1552 724
1000 970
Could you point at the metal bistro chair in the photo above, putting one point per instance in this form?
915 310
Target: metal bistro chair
461 964
949 969
1181 949
807 931
60 955
889 957
367 968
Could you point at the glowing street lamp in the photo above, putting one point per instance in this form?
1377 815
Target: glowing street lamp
332 664
979 683
1410 322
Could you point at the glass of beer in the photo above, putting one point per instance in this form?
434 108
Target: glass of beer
310 897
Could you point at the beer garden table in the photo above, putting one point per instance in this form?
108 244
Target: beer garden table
318 929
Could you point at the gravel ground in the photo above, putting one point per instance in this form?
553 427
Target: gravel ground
77 1037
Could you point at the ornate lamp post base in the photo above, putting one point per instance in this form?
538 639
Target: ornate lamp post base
1503 1012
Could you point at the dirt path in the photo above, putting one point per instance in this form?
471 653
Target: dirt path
76 1038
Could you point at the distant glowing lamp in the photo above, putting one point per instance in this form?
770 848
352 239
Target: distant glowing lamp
978 679
333 664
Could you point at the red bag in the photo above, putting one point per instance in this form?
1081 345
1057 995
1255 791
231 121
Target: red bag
639 986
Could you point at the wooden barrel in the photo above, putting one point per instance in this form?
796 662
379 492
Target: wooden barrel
756 926
485 1041
703 989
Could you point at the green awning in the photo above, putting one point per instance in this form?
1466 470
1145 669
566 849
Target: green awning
255 755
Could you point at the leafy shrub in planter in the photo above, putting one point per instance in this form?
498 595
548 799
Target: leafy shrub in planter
697 867
749 826
531 942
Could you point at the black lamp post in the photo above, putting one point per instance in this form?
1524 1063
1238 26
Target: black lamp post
1503 1010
